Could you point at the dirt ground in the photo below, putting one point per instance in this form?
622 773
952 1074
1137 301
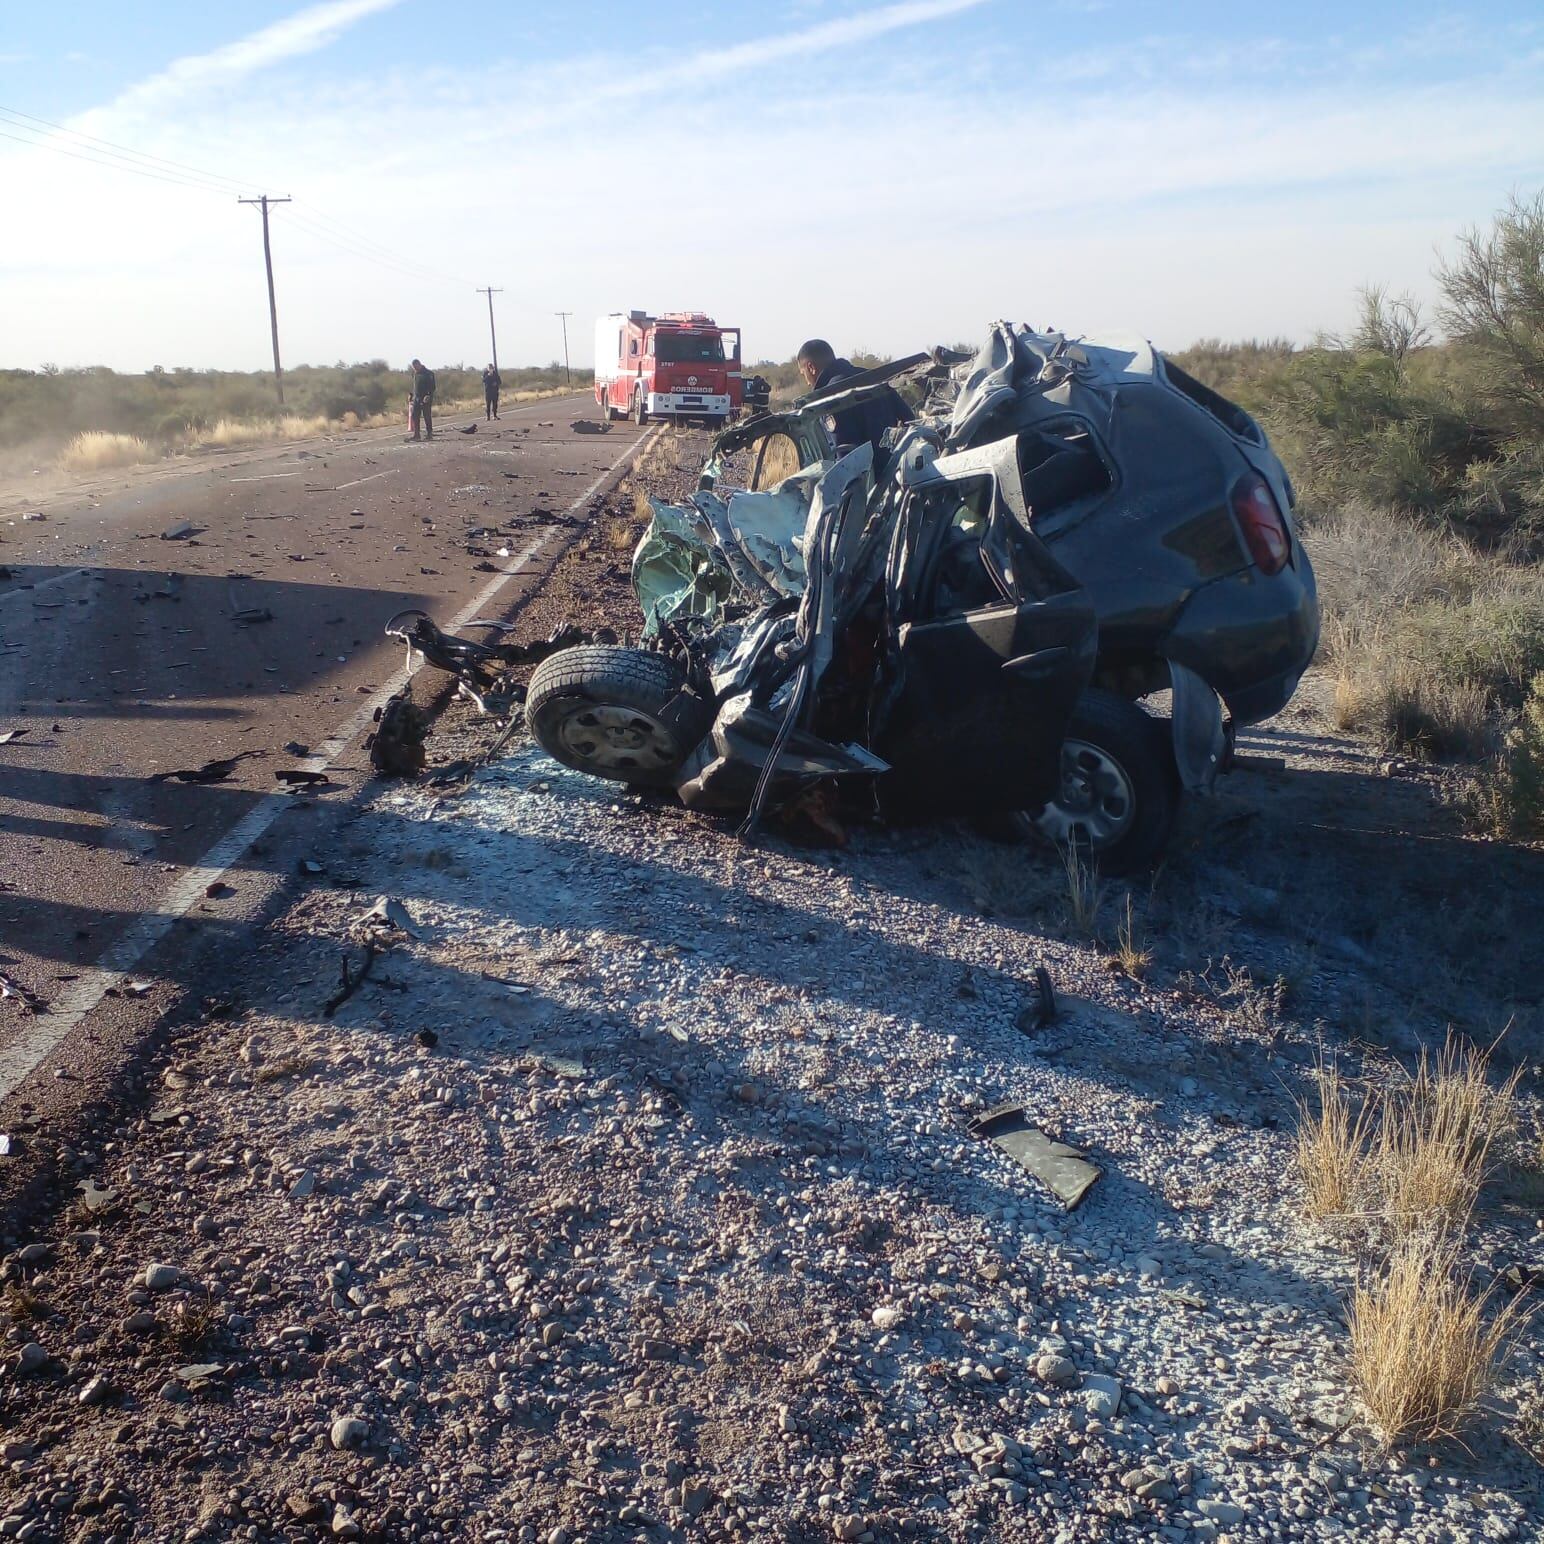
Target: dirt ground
632 1195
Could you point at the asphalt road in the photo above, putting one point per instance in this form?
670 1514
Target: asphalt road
129 651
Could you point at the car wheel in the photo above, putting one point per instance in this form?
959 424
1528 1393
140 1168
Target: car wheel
615 713
1119 788
640 412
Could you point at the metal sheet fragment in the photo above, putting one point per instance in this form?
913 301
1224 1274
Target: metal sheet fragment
1063 1169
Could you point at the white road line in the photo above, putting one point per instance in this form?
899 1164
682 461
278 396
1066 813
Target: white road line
44 584
47 1031
391 472
264 477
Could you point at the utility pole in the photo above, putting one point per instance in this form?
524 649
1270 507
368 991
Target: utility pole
273 310
567 373
493 339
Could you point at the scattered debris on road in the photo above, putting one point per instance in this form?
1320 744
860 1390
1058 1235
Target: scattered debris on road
590 426
352 980
12 989
216 771
396 744
182 531
391 914
301 777
9 735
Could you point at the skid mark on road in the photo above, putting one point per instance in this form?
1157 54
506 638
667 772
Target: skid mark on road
45 1032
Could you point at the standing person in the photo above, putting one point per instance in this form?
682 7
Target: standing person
421 402
491 385
821 368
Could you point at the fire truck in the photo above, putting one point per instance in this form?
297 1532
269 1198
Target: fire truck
680 365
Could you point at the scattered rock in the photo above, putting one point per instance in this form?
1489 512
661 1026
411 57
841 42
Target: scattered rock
1057 1370
1101 1394
97 1390
160 1278
350 1431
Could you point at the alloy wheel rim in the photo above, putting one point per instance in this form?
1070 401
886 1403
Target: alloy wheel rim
618 739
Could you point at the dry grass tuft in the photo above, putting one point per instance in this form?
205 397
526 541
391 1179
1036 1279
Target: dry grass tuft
1439 1135
195 1327
1085 894
1410 1154
256 431
619 533
95 450
1424 1347
23 1304
1332 1145
1132 955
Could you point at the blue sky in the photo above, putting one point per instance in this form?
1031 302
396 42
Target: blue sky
890 173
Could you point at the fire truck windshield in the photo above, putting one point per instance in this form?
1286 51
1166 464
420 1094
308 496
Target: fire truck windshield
688 348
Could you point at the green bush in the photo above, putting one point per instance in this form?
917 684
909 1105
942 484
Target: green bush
1511 792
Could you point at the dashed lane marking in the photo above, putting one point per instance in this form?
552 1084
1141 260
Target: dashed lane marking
390 472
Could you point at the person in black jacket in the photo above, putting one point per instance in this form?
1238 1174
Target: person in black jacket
421 402
492 383
821 368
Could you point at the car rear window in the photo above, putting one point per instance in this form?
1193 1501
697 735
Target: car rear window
1232 417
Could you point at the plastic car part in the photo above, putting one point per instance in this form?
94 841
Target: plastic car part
1199 740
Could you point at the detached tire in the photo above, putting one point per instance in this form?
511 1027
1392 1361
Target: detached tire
615 713
1119 786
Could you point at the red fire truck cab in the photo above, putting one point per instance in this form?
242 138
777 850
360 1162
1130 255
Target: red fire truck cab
681 365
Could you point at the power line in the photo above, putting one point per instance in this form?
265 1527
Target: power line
137 171
110 156
124 151
363 246
392 265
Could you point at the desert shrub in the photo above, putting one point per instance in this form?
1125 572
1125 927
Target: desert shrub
1508 797
1493 301
1433 643
46 408
95 451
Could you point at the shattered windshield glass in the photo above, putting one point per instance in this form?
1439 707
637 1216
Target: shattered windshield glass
688 348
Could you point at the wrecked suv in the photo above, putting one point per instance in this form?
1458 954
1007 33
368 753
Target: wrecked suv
969 619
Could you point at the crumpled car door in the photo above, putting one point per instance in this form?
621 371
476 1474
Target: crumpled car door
992 643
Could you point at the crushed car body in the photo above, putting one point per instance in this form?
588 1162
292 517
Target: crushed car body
967 617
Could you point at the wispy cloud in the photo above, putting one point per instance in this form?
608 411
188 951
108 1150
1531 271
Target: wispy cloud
843 32
303 33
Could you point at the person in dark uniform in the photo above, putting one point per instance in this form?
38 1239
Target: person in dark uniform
491 386
421 401
821 368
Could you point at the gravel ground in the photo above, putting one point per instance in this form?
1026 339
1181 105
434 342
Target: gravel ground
632 1196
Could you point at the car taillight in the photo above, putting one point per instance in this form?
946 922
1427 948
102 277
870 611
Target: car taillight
1265 533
